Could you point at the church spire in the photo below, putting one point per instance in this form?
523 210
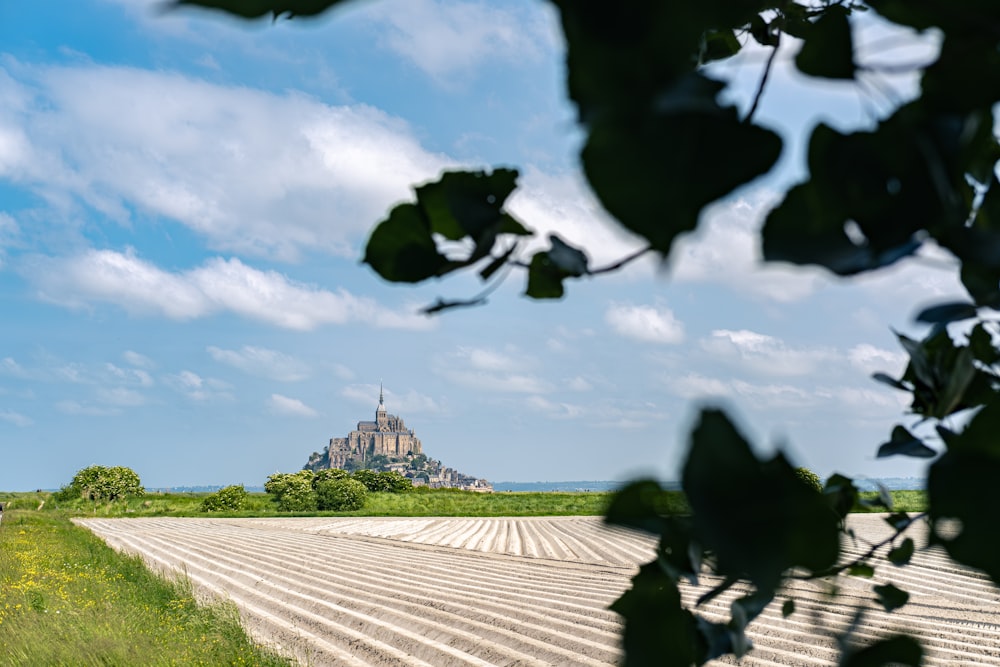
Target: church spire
380 395
380 410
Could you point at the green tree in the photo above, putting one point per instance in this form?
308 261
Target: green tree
369 478
341 495
101 483
293 492
329 474
662 141
227 499
394 482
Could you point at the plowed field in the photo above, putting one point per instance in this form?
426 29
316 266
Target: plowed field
524 591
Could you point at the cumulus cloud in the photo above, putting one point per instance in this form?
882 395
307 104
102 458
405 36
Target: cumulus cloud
138 360
488 369
218 285
554 409
650 324
292 407
197 388
262 362
128 142
16 418
871 359
445 39
767 355
132 376
409 403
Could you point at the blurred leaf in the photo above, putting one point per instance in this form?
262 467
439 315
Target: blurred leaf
658 630
828 49
637 505
947 312
896 650
718 45
656 169
550 267
891 597
788 608
905 443
401 248
756 517
902 554
840 494
763 32
861 570
891 381
963 512
257 8
898 520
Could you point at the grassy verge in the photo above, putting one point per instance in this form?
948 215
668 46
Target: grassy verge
66 599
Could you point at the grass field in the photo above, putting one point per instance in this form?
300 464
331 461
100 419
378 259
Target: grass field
66 598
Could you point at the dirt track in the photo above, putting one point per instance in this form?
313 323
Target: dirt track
534 591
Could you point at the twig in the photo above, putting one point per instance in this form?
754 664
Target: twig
763 79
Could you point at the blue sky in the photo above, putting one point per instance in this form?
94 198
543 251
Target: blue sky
184 201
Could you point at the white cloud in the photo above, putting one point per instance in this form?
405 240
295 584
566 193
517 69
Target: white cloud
491 370
579 383
120 396
726 250
131 376
767 355
8 366
445 39
218 285
649 324
409 403
126 141
15 418
86 410
138 360
293 407
197 388
871 359
262 362
553 409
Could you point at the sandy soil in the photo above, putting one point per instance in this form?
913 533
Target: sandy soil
535 591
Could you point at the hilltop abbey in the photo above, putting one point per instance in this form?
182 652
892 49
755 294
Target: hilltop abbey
387 444
386 436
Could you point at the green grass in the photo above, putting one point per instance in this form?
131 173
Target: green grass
66 599
902 501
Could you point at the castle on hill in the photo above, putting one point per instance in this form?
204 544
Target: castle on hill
386 444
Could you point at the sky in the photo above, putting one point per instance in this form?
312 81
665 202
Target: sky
184 201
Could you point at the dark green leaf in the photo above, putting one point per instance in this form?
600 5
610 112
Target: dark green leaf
756 517
788 608
891 381
497 263
656 171
981 344
896 650
570 261
861 570
898 520
549 268
828 49
257 8
962 508
638 505
658 630
401 248
905 443
719 44
902 554
947 312
763 32
841 494
891 597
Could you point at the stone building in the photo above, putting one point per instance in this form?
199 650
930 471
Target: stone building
387 435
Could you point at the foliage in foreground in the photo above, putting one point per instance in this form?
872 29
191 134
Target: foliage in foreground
662 141
66 598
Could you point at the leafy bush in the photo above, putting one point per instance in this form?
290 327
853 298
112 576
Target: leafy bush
810 479
369 478
341 495
101 483
292 491
329 474
393 482
230 498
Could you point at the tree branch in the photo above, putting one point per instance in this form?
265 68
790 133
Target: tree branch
763 78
